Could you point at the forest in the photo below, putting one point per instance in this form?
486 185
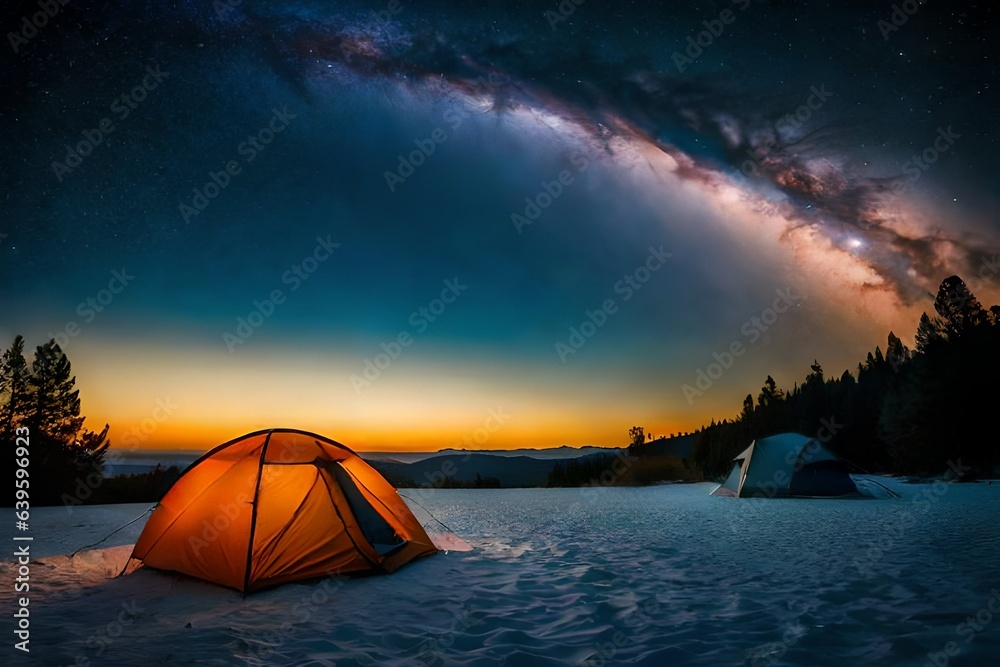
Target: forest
902 412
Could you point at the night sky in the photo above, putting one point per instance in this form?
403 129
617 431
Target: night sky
560 217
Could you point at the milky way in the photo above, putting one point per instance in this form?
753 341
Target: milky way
812 163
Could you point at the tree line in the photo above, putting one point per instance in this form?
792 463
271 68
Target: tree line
904 411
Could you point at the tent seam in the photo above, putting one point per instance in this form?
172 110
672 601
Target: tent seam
270 547
253 514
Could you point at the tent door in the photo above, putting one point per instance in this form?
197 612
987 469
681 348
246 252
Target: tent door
375 529
731 487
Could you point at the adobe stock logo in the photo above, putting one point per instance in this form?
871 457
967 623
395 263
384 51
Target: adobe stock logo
294 276
901 13
753 329
628 286
409 164
915 167
714 28
420 320
30 26
562 12
548 193
968 629
91 306
122 106
249 149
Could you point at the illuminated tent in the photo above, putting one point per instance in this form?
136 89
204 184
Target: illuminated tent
277 506
784 466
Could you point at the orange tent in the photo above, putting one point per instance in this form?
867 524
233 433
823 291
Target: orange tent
277 506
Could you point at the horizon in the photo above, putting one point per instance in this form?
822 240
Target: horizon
129 453
377 451
151 432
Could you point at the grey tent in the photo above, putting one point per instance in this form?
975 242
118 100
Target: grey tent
787 465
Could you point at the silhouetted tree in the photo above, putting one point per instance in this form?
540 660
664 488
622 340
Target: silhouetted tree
14 375
959 310
769 393
63 453
637 437
896 353
486 482
55 402
929 332
747 413
908 411
936 409
584 470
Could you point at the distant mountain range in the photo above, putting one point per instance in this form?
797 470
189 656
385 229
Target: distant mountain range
524 467
526 463
506 470
564 452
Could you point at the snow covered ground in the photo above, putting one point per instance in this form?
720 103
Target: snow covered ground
655 576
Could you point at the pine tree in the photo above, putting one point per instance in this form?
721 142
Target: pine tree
959 309
903 427
929 333
812 402
63 451
89 448
769 393
908 411
55 409
934 412
870 364
816 377
14 396
896 353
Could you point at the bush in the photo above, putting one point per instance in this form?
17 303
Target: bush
651 469
147 487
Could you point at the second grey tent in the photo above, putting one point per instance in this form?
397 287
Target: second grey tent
787 465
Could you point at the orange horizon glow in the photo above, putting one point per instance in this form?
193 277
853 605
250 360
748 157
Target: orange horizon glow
204 440
154 405
440 399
